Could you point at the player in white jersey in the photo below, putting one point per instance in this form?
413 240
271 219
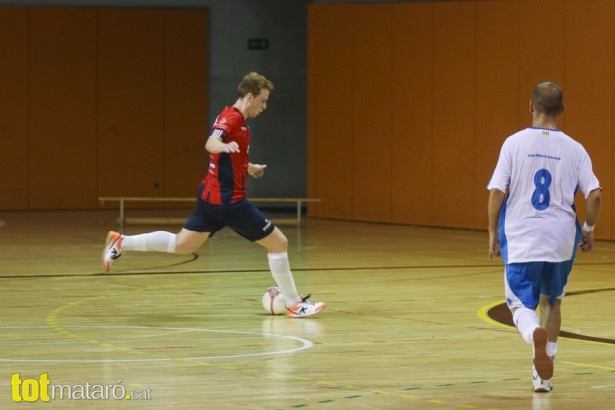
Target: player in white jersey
533 224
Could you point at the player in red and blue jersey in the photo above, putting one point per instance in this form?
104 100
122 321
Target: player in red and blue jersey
221 200
225 182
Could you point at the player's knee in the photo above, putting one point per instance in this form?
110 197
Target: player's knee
275 242
185 247
280 243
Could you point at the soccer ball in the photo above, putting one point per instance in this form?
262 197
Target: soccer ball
273 301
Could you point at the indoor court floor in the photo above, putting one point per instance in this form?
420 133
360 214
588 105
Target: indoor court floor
414 321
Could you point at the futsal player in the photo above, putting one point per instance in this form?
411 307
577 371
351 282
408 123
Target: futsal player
533 224
221 200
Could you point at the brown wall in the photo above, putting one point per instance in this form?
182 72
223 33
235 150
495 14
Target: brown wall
14 110
409 103
100 102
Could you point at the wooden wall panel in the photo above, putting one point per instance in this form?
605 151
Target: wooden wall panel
131 102
454 105
14 125
99 102
477 63
332 90
63 108
497 94
588 92
186 91
609 190
541 49
372 108
412 114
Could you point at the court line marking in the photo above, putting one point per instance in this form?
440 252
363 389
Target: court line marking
146 270
611 369
305 344
52 321
483 314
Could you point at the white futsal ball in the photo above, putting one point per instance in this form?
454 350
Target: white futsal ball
273 301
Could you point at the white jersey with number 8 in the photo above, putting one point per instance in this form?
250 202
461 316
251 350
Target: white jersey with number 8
542 170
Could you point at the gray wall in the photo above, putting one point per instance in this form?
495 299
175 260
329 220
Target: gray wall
278 135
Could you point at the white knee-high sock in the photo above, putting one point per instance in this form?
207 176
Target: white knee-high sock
280 270
526 321
160 241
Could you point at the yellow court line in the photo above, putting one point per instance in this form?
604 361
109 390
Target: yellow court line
52 322
593 366
484 316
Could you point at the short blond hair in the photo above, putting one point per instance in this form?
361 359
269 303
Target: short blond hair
253 83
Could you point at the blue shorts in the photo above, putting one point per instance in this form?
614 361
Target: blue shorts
525 282
242 217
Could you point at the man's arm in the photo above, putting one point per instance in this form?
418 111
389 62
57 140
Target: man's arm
592 210
496 200
215 145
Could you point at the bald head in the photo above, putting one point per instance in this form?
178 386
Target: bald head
548 99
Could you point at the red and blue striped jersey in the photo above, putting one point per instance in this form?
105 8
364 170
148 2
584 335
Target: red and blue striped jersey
226 179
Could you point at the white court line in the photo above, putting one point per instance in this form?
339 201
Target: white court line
142 337
83 360
305 344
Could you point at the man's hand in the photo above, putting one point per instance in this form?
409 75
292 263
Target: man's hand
215 145
494 245
494 206
256 170
231 147
587 241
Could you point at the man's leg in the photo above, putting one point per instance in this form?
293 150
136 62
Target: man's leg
277 248
551 319
521 282
277 254
184 242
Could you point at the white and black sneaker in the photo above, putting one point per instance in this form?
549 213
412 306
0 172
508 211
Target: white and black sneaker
113 249
305 308
540 385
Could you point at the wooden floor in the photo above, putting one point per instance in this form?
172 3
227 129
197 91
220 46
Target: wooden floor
407 326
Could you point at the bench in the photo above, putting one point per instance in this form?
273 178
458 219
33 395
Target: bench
123 220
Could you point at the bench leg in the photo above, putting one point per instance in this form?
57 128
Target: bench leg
122 215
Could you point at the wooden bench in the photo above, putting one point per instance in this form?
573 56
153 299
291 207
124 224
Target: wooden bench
123 220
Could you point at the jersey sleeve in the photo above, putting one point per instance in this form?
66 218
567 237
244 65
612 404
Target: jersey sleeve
224 125
503 170
587 180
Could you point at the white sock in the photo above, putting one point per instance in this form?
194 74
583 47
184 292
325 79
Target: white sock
552 349
280 270
526 321
160 241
